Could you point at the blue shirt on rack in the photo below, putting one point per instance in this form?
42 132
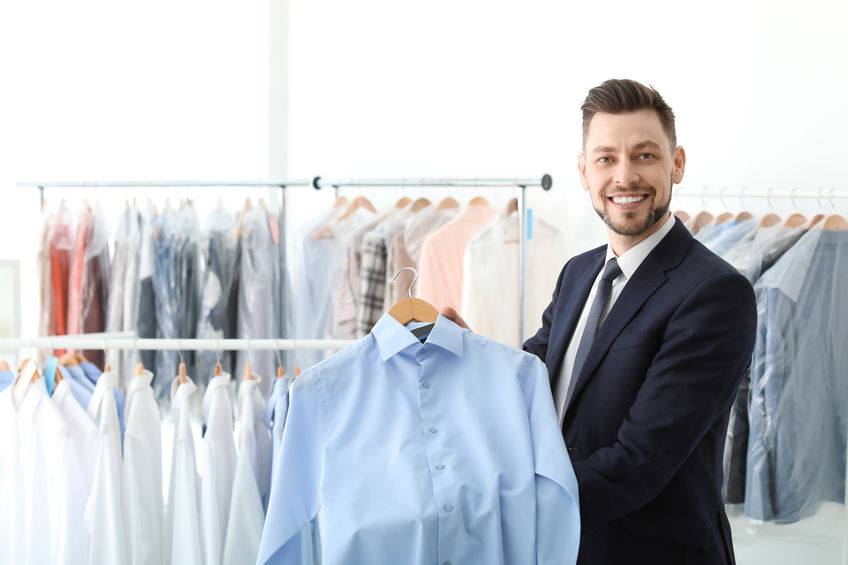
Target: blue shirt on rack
447 451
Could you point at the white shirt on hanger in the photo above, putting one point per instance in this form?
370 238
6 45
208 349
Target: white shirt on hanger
82 437
218 467
143 505
628 262
182 525
104 514
32 488
253 441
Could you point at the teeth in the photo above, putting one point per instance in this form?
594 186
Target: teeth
627 199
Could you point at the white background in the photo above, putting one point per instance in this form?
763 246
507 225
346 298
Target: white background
182 90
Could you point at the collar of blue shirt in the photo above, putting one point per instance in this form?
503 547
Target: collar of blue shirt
393 337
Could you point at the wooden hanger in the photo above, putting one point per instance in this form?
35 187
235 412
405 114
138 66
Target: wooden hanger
248 206
834 222
411 309
478 201
700 220
139 369
814 221
419 204
107 367
358 202
248 371
743 216
511 207
4 366
57 377
219 370
281 372
296 372
81 358
68 360
447 203
723 217
793 221
403 202
182 373
769 220
27 373
340 201
684 217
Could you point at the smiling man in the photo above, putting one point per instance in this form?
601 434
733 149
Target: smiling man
645 339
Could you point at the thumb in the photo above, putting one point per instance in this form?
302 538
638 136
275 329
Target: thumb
454 317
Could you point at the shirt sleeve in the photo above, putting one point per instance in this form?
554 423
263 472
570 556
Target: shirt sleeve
557 504
295 486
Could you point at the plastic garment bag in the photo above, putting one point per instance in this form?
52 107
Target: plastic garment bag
123 284
95 280
145 315
175 282
256 316
219 292
799 389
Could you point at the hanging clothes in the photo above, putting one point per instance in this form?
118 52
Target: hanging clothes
219 294
440 265
276 410
251 484
143 504
183 545
82 434
798 411
406 248
132 289
176 286
490 285
119 267
256 314
55 263
104 511
33 485
435 503
219 465
146 325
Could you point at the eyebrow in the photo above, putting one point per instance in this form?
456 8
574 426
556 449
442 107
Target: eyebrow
638 146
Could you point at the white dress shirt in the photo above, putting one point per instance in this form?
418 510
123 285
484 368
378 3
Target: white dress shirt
182 522
247 514
104 512
82 455
628 262
32 488
218 466
144 508
490 280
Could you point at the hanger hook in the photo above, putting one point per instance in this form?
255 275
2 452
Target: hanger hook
741 194
818 198
414 277
830 197
720 194
792 192
703 199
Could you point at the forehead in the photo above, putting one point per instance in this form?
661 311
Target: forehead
625 129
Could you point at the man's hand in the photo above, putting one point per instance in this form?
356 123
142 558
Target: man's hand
452 315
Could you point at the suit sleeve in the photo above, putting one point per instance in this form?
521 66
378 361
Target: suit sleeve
690 384
538 344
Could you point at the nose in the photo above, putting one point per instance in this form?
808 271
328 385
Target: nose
625 174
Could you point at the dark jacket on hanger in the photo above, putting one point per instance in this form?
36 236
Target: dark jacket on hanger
646 425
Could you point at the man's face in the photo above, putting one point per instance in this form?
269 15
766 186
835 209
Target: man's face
628 168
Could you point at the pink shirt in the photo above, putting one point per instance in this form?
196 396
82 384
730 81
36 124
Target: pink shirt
440 265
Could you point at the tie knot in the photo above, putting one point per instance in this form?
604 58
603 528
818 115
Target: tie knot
611 271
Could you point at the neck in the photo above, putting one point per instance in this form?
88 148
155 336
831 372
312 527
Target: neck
621 243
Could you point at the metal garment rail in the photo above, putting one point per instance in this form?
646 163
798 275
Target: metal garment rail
545 182
820 194
318 183
133 344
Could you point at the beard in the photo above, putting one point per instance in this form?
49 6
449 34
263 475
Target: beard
656 213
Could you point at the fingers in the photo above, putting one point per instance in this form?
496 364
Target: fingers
454 317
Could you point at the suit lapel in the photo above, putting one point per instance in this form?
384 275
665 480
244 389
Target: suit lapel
649 277
568 314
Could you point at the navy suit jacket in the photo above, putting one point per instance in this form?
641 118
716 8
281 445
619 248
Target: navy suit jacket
646 424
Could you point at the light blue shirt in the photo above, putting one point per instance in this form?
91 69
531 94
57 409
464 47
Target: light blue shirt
444 452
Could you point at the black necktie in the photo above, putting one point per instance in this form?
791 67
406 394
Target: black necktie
602 296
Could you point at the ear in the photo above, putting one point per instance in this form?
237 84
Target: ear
679 165
581 169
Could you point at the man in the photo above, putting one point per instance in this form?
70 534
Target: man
646 340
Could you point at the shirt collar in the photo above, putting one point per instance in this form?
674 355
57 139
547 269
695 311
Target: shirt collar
136 383
630 260
392 337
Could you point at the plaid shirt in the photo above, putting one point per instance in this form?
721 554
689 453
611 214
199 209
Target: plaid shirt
372 274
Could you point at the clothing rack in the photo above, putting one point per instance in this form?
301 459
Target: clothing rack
820 194
90 341
318 183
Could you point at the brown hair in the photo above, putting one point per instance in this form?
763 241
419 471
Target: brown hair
622 96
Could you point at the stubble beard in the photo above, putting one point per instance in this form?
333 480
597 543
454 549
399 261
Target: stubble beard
655 215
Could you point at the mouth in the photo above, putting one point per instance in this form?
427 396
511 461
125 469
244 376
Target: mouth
628 201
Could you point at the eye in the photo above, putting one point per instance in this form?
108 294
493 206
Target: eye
646 156
604 159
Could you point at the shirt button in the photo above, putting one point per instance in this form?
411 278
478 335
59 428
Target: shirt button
433 429
448 507
439 467
425 384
